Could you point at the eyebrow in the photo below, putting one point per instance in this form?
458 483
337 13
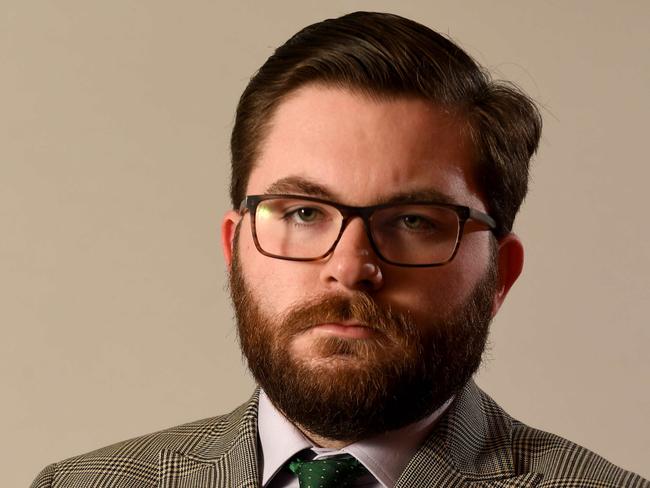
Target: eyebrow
429 195
299 185
303 186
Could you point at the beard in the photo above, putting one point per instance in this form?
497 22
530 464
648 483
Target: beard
350 389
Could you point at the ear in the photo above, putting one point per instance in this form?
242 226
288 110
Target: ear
510 262
228 227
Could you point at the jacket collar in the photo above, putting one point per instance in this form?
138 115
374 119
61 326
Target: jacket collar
471 445
226 457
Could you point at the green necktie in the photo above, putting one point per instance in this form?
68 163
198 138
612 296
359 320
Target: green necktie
333 472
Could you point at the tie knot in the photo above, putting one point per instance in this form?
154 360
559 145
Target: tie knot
335 471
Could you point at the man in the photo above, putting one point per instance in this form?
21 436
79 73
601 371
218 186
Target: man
376 175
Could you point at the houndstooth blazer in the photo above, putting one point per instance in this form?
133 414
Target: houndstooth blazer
476 444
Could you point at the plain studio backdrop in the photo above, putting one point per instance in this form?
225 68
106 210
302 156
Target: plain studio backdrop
113 180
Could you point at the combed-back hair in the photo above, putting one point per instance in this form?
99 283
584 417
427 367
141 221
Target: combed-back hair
386 56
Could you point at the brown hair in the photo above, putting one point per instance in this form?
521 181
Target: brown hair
384 55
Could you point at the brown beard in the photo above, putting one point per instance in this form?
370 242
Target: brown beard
359 388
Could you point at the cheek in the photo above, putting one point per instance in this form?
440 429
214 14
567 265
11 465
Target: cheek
425 293
435 292
277 284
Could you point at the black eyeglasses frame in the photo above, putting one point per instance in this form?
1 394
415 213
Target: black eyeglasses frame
348 212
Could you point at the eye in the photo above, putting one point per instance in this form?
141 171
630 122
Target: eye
416 222
304 215
307 214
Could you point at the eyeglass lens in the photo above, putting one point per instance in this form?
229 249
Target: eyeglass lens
403 233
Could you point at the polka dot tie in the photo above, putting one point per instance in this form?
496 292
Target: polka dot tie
336 471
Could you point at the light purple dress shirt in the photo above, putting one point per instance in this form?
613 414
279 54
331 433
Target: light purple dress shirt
385 456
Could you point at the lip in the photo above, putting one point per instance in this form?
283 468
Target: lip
348 330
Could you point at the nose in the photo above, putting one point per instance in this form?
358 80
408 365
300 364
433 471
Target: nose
353 265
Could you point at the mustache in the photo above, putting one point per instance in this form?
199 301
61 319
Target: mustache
359 307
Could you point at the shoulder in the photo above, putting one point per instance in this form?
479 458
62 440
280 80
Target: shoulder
565 463
135 462
484 442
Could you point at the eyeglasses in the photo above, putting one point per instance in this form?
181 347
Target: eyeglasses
302 228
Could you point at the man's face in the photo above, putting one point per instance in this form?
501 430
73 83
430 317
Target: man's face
348 346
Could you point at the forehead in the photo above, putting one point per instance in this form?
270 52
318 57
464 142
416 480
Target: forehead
361 150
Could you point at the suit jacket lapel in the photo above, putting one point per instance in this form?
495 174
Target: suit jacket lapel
470 446
226 458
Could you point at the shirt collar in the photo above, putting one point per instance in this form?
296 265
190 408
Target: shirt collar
385 455
280 439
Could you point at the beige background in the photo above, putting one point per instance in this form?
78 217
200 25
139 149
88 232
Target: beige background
113 174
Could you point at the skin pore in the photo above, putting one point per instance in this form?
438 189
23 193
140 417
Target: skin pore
347 147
